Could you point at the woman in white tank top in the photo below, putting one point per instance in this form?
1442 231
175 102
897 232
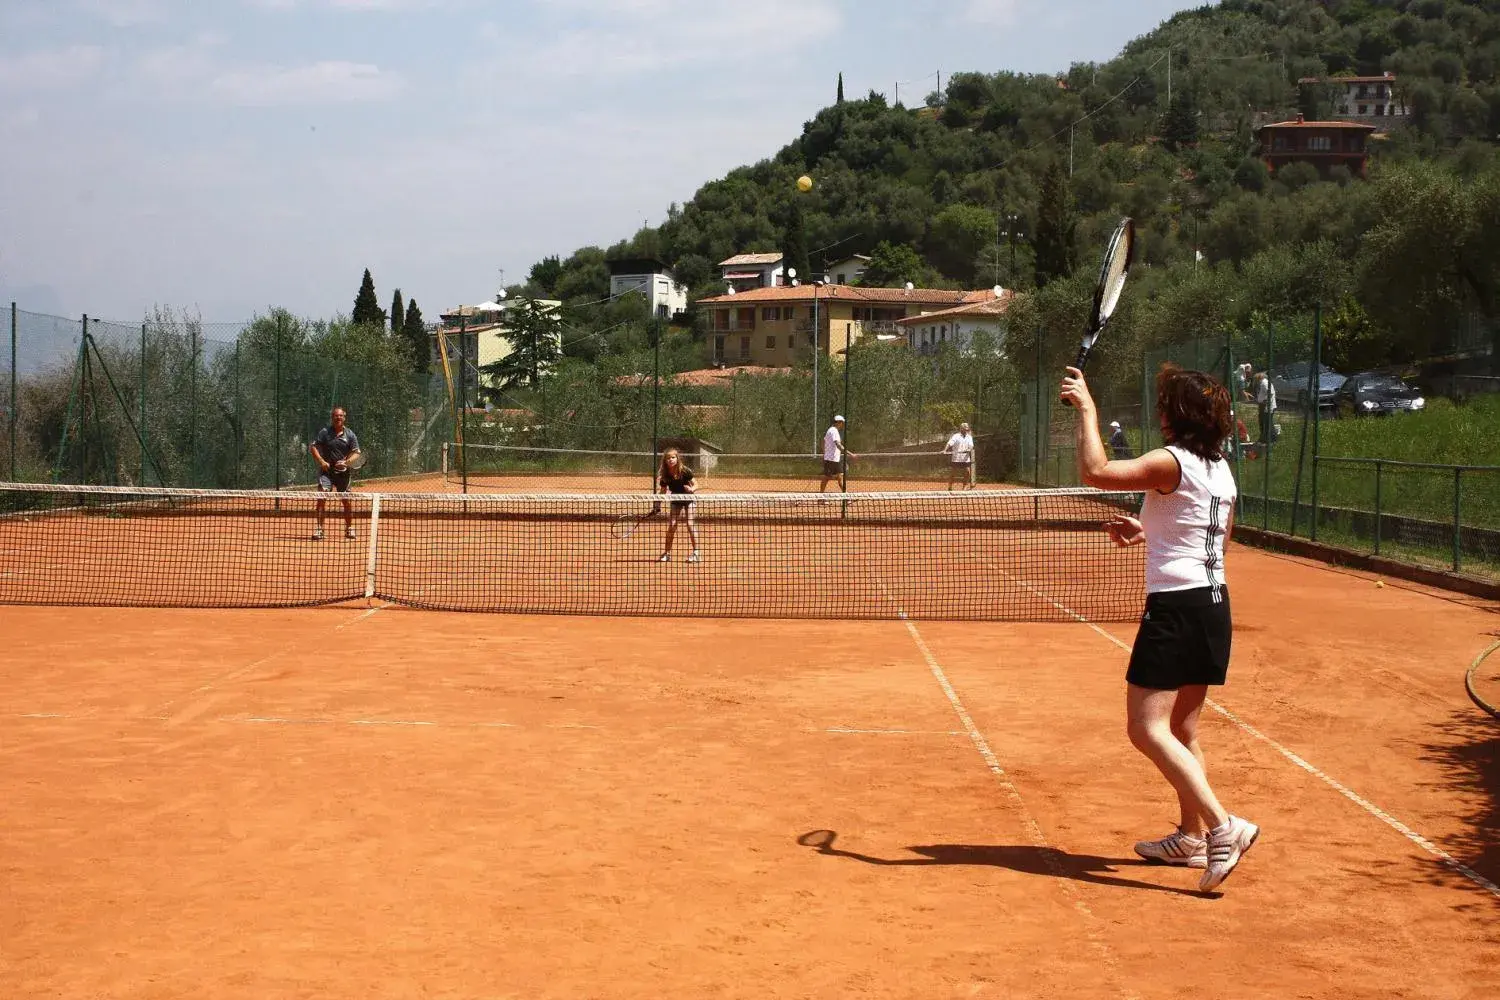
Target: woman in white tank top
1183 643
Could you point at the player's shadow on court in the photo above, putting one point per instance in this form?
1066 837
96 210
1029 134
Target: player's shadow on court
1046 861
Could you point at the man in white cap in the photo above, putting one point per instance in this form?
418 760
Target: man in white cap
834 454
1119 442
960 449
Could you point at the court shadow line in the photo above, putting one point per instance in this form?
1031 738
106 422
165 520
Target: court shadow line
1024 858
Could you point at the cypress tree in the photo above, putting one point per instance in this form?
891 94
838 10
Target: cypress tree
366 306
398 313
414 332
1056 228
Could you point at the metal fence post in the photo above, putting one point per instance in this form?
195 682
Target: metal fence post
1458 492
15 401
1317 405
140 407
1267 432
192 404
276 406
1379 466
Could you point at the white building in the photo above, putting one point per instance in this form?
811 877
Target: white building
1362 96
847 271
927 333
651 279
745 271
477 334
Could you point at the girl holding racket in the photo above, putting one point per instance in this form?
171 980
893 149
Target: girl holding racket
1182 647
675 477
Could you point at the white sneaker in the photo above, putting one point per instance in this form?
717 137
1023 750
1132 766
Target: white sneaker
1176 849
1226 845
695 557
665 557
317 534
349 531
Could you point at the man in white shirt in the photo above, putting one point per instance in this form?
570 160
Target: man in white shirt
834 454
960 448
1265 399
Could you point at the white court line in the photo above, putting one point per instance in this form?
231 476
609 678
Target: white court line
1437 852
1033 829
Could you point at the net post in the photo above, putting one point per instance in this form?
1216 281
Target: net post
1458 493
15 402
1379 467
370 555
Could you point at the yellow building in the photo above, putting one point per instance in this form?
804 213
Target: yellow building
774 326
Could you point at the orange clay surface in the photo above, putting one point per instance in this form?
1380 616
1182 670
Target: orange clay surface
351 803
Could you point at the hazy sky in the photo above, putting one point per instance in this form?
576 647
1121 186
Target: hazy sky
230 155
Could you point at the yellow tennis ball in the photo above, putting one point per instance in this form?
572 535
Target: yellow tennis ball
1380 583
804 183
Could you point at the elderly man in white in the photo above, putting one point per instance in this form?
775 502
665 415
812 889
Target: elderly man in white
960 449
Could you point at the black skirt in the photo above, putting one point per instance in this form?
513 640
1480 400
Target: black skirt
1183 640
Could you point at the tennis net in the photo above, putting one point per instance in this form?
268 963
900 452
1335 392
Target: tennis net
1021 555
521 469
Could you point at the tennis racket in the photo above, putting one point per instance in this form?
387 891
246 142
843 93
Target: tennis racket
1118 257
356 461
625 525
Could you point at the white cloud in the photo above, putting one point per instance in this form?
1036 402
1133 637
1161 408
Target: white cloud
625 37
354 5
327 82
993 12
125 13
54 69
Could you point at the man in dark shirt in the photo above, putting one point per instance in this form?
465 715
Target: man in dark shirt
332 449
1119 442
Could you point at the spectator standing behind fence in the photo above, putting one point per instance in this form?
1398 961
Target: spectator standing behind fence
1118 442
1243 391
960 450
1265 399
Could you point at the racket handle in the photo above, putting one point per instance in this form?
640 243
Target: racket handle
1078 362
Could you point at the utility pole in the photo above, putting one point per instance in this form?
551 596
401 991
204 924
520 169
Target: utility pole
1169 76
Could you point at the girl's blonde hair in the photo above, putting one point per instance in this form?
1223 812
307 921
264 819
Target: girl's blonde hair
662 469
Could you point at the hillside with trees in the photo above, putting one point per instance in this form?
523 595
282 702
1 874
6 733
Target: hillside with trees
1015 179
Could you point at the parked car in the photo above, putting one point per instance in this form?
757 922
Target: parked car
1371 393
1290 382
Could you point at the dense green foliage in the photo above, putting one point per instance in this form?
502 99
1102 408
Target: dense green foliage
929 192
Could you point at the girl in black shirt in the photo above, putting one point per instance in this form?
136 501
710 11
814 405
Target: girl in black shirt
675 477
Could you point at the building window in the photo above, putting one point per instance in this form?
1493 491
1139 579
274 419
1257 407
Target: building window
838 279
769 313
1364 109
1380 111
745 348
721 319
1278 142
718 348
1320 143
770 343
747 318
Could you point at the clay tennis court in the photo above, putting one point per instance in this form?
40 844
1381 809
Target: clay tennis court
366 802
